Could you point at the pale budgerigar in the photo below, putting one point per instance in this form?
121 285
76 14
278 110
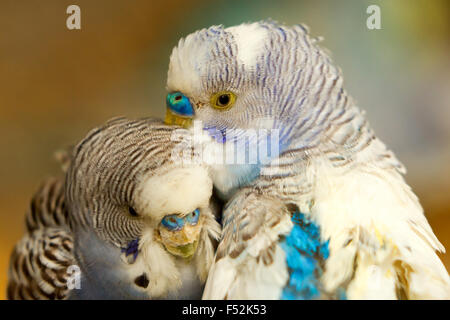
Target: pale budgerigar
134 220
330 215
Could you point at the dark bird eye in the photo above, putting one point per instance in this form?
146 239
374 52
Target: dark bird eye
133 212
223 99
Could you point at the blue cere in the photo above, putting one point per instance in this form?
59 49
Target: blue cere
173 222
305 256
178 103
192 218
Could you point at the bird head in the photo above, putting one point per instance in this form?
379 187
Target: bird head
177 202
261 75
125 186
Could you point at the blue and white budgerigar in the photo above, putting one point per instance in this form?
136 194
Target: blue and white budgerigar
136 222
329 215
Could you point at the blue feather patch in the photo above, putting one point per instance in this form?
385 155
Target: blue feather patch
132 248
305 256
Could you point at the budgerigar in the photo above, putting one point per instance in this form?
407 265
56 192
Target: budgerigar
132 219
327 216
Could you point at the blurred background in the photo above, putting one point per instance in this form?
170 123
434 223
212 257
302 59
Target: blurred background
57 84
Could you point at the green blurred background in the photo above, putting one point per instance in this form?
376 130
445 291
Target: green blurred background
56 84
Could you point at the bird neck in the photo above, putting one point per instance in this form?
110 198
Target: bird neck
100 267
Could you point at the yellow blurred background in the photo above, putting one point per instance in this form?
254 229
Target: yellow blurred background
56 84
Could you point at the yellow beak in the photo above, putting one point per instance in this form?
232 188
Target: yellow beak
176 119
185 251
182 243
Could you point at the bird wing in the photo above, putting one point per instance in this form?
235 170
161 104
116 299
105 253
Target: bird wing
250 262
47 207
268 251
39 262
381 245
38 265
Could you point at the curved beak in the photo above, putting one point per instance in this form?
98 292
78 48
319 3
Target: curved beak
176 119
182 243
185 251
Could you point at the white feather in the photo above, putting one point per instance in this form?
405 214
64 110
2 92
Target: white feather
376 211
247 277
178 191
185 62
249 39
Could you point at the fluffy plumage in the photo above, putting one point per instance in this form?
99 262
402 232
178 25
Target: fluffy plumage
105 217
331 167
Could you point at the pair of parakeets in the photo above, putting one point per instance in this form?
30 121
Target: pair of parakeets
326 216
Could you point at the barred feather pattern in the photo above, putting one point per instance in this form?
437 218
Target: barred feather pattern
39 262
47 208
329 158
122 144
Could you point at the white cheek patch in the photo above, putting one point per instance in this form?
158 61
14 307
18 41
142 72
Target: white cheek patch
250 39
179 191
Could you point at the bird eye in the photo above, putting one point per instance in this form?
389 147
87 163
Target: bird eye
223 100
133 212
172 222
192 218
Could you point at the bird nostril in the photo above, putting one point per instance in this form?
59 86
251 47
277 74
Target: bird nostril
142 281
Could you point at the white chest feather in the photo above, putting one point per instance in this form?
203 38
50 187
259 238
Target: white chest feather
191 286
